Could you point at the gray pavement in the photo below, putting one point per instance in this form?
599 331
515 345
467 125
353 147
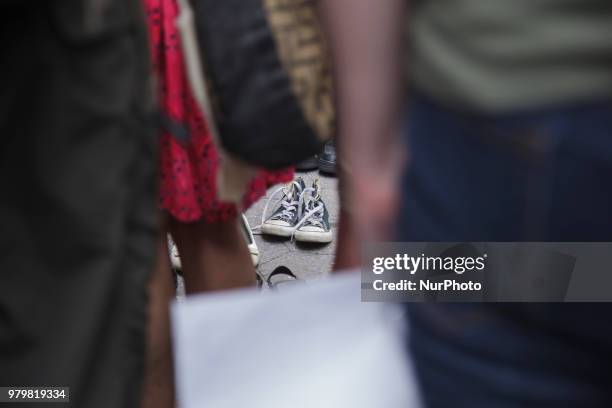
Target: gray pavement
306 261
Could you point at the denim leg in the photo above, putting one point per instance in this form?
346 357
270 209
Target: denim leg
533 176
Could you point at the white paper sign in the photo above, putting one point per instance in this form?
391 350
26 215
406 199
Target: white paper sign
310 346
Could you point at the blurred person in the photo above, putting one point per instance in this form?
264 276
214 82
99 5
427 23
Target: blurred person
77 201
207 232
509 137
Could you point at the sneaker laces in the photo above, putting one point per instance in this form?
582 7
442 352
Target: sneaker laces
289 204
312 214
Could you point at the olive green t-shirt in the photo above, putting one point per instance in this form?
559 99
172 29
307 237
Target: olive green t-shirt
503 55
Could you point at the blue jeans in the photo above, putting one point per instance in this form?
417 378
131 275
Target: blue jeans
530 176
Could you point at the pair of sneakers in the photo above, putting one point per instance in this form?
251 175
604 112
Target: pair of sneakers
301 214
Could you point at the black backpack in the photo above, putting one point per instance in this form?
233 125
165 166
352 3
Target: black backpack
268 78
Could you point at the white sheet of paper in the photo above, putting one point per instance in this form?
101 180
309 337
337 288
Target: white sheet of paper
312 346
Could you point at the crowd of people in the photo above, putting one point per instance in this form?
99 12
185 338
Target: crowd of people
463 121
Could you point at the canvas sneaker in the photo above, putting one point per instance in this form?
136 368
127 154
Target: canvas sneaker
175 259
250 239
313 225
327 158
286 216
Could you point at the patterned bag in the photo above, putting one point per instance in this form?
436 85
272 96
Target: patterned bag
268 78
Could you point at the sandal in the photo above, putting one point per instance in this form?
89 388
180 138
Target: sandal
280 276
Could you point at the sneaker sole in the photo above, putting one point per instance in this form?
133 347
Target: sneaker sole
176 262
318 237
277 230
326 166
249 239
255 258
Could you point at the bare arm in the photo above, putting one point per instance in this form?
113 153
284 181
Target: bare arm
366 42
366 38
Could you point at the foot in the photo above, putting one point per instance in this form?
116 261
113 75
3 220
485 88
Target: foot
327 159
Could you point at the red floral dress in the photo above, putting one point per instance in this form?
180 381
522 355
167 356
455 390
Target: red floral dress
189 168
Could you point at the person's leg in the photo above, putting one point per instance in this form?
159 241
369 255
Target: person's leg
77 208
347 255
214 256
158 390
542 176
